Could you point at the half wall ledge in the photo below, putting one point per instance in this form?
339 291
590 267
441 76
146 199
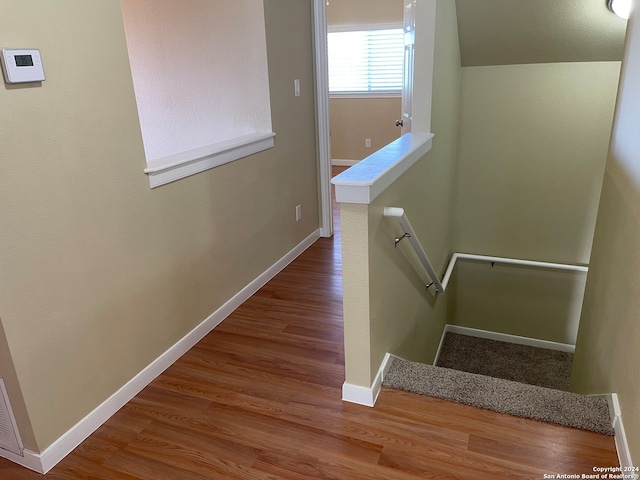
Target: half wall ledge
363 182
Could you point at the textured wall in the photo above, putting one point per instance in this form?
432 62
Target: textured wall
354 222
525 301
355 119
607 353
100 274
533 142
364 12
508 32
532 148
190 88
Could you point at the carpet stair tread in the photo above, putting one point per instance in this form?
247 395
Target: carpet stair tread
510 361
505 396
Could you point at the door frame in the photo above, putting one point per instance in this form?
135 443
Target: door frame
422 86
322 116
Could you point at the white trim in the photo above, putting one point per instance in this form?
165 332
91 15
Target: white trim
367 396
28 459
364 95
322 114
343 162
508 261
45 461
423 65
622 447
370 177
357 394
505 337
364 27
174 167
444 331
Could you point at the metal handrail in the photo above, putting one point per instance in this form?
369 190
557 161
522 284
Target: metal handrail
441 286
403 220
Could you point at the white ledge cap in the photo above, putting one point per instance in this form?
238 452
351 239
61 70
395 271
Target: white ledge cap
367 179
174 167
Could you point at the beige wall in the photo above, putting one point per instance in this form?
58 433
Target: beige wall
523 301
355 119
100 274
364 12
386 306
532 147
607 354
354 225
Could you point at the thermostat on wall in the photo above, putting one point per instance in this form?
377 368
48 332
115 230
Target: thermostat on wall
22 65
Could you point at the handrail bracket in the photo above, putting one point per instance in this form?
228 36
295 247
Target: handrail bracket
397 240
399 215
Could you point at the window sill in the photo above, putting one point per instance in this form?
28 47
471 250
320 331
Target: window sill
367 179
174 167
365 96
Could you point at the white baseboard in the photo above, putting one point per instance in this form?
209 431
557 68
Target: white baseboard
504 337
367 395
435 359
28 459
357 394
622 447
46 460
342 162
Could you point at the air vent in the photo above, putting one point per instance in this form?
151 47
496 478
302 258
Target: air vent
9 436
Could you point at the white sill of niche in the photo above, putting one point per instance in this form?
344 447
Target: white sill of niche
180 165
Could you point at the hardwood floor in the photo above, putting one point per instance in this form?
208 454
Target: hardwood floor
259 398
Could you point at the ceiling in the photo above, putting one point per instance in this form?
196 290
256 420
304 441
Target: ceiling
505 32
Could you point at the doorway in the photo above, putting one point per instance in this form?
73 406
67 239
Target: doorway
372 123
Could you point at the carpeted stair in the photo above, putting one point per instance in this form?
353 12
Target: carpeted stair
510 361
505 396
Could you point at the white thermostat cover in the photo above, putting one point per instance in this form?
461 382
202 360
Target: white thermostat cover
22 65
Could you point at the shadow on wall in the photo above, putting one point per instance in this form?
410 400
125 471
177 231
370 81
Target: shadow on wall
516 300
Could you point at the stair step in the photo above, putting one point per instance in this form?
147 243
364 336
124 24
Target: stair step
504 396
504 359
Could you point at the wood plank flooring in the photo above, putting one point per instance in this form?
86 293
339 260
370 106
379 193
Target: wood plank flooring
259 398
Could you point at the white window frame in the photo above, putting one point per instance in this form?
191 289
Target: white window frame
356 28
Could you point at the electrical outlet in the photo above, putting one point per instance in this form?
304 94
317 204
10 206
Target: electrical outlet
298 213
296 87
367 142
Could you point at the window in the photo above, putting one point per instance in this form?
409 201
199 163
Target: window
365 61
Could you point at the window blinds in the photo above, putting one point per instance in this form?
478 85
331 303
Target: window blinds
365 61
